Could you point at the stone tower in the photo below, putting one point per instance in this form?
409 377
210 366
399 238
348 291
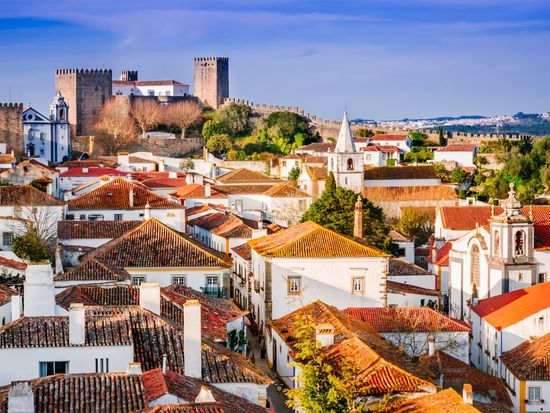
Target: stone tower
85 91
211 80
129 75
11 124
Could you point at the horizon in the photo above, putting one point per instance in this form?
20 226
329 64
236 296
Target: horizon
386 60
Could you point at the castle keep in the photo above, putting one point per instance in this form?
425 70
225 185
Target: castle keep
85 91
11 124
211 80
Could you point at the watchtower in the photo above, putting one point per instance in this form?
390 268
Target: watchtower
85 91
129 75
211 80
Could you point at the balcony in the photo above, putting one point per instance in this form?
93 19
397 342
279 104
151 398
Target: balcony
217 292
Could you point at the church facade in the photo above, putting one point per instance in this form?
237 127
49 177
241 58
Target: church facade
48 137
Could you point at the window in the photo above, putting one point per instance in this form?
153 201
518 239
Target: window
179 279
167 93
137 280
294 285
358 284
474 279
212 281
350 164
520 277
102 365
95 217
151 92
368 157
284 164
519 241
401 252
533 394
422 302
118 217
496 246
7 238
47 368
541 324
542 277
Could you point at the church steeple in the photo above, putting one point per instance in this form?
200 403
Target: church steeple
345 142
59 109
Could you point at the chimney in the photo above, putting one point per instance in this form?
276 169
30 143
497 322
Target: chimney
324 334
147 212
431 345
164 363
131 198
207 190
161 165
198 179
134 368
149 297
58 260
205 396
77 324
172 174
468 394
39 290
358 218
260 224
192 339
21 398
16 307
188 178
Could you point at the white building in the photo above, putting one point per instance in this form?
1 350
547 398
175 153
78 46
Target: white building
150 88
75 177
462 154
10 304
405 245
48 137
31 171
381 155
403 142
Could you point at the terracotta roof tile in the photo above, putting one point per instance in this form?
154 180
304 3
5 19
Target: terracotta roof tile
283 190
400 172
381 148
93 270
311 240
389 137
399 236
318 147
399 266
116 195
510 308
401 288
242 189
26 195
406 319
94 229
458 147
244 251
317 172
442 257
6 293
186 408
530 360
228 225
446 401
94 171
155 245
16 265
147 83
410 193
243 175
156 183
7 158
87 163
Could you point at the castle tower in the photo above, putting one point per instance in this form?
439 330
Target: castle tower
11 124
85 91
211 80
129 75
345 162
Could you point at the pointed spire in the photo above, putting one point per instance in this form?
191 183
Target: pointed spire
345 138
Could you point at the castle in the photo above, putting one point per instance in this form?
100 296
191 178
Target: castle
211 80
11 127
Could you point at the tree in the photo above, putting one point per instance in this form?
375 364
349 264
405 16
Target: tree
115 121
234 119
365 132
183 114
287 123
458 175
187 164
147 114
294 174
416 223
219 144
210 128
335 209
441 137
31 247
418 138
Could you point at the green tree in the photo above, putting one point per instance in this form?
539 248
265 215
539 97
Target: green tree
365 132
287 123
187 164
210 128
294 174
441 137
234 119
458 175
219 144
31 247
335 208
418 138
416 223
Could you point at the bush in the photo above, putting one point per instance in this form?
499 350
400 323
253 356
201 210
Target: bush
390 162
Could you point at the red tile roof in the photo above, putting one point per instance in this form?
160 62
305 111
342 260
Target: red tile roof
147 83
398 266
116 195
389 137
318 147
7 158
93 270
530 360
156 183
87 163
446 401
406 319
410 193
90 171
442 257
197 191
16 265
26 195
228 225
243 175
380 148
401 288
5 294
94 229
510 308
399 236
458 147
400 172
311 240
283 190
244 251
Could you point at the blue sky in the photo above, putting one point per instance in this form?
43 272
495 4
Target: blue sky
383 59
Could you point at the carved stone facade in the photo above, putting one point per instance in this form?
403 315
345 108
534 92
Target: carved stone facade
11 125
211 80
85 91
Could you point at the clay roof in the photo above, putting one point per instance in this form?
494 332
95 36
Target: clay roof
446 401
87 163
243 175
406 319
389 137
244 251
93 229
228 225
115 195
93 270
155 245
399 266
155 183
401 288
16 265
197 191
26 195
458 147
311 240
91 171
186 408
147 83
381 367
530 360
399 236
215 312
7 158
5 294
400 172
380 148
442 257
136 159
455 373
510 308
234 189
283 190
314 159
318 147
317 172
409 193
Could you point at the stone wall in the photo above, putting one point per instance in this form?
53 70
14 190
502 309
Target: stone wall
11 125
85 91
211 80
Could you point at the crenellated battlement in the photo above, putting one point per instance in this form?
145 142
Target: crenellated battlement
210 59
84 71
11 105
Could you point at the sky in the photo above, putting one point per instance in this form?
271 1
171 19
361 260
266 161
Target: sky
379 59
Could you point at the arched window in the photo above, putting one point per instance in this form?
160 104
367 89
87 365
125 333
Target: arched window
519 243
30 150
332 164
496 244
350 164
474 270
61 114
